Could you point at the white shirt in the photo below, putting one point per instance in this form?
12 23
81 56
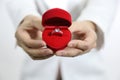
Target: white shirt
86 67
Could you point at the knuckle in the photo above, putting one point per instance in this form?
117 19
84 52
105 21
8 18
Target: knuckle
28 23
29 44
88 45
36 20
78 45
84 46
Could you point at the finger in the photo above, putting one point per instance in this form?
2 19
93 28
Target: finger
40 53
88 43
91 38
32 21
37 24
69 52
25 38
41 58
35 35
79 44
39 33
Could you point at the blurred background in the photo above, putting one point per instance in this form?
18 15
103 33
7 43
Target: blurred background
11 58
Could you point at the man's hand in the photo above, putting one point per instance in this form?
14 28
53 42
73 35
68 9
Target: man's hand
29 37
83 39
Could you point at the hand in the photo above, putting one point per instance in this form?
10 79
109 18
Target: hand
83 39
29 37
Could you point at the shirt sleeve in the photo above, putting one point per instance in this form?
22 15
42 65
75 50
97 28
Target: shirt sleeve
100 12
18 9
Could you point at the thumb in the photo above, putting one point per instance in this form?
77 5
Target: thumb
24 37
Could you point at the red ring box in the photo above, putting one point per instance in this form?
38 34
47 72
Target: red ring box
56 33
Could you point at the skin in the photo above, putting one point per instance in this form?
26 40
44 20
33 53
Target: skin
29 38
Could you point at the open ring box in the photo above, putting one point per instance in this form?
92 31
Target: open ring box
56 33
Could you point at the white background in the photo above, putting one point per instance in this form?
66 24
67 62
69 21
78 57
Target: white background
11 58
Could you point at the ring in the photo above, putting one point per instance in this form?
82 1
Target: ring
57 31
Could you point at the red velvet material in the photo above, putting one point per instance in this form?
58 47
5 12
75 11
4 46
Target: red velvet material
56 16
56 33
